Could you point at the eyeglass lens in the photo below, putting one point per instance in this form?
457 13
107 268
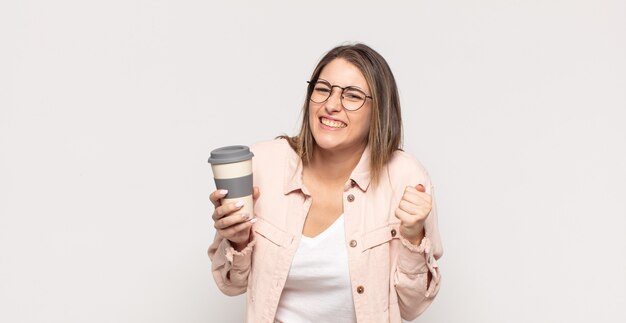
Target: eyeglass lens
351 98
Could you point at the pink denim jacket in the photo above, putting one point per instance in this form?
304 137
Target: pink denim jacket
392 279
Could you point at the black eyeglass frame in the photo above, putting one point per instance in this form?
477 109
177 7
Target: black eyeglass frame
343 89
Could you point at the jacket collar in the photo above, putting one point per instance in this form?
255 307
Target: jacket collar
293 173
361 173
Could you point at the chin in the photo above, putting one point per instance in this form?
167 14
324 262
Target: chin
326 144
334 144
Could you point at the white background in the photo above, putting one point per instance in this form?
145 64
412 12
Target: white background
108 111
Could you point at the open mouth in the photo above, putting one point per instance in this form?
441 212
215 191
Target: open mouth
332 123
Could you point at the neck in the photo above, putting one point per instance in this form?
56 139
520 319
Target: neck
335 166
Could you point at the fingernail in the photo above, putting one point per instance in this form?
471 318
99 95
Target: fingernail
223 192
253 220
239 204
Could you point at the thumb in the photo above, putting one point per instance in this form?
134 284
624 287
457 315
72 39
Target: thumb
420 188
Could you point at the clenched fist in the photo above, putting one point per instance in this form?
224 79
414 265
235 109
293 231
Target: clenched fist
413 210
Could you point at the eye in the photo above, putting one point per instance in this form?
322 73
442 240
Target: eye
321 88
353 95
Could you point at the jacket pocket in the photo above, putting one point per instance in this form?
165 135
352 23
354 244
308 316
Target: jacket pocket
272 233
268 253
380 236
376 253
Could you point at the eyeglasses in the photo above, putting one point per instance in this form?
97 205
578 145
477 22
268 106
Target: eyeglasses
352 98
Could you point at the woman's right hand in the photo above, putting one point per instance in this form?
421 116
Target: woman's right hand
235 228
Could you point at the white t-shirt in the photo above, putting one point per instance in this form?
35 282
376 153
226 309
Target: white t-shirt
318 285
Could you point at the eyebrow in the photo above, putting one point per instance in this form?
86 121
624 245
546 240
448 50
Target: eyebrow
349 86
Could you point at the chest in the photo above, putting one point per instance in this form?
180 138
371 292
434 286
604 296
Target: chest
326 207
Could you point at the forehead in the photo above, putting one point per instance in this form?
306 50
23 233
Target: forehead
343 73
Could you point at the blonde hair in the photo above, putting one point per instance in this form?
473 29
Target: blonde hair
385 133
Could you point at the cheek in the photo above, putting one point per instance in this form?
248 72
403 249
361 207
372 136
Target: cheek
312 118
367 120
363 128
366 129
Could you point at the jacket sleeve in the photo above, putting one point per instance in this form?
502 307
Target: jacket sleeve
230 267
417 277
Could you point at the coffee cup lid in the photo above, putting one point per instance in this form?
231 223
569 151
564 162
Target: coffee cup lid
230 154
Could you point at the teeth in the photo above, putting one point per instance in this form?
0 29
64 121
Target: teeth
333 123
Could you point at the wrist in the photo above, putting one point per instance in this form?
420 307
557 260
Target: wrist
238 246
416 240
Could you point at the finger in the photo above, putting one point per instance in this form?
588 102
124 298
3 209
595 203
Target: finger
216 196
414 195
227 209
231 220
233 230
406 218
408 207
417 198
418 204
418 210
224 210
409 220
256 193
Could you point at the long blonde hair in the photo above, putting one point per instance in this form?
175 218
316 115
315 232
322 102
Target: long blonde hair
385 133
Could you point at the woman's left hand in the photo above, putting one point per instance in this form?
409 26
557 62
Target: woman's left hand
413 211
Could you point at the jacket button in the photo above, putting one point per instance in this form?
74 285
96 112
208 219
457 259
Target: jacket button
360 289
352 183
350 198
352 243
393 232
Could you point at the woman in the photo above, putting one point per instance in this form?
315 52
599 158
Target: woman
345 228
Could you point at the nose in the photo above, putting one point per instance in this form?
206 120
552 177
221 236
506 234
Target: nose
333 104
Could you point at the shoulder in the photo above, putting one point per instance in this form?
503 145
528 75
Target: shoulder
403 160
404 167
269 148
271 161
273 153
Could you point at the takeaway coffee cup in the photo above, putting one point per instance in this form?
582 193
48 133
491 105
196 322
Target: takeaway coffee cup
232 171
